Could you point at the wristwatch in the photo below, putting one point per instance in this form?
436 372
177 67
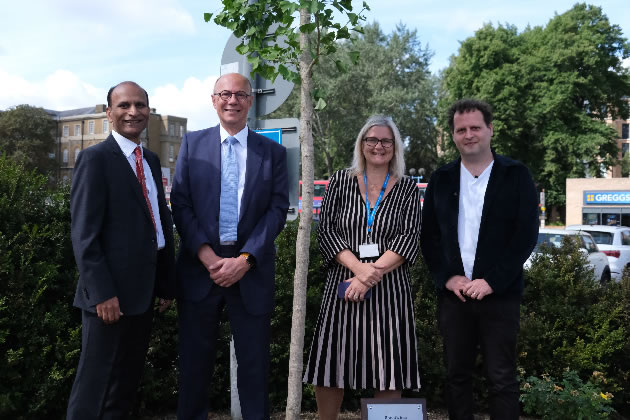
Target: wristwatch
251 260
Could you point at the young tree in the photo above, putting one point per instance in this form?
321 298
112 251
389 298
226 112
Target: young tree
552 89
313 37
27 135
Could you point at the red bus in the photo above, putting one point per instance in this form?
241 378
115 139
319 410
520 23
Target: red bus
422 186
320 187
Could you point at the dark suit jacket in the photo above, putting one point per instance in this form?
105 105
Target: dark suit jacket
195 200
114 242
507 234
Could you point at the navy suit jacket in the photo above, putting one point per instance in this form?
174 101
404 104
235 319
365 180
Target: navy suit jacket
114 241
507 234
195 199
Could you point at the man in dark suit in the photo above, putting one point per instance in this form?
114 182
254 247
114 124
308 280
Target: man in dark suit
122 236
230 199
479 226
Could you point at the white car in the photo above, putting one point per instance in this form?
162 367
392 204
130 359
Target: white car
614 241
597 260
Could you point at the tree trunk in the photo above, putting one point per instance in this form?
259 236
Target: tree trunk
294 398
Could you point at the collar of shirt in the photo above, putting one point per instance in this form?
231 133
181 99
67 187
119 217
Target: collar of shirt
466 175
241 136
126 146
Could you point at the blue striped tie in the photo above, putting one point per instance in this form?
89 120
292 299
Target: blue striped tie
228 212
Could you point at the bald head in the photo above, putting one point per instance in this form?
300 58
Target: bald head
113 88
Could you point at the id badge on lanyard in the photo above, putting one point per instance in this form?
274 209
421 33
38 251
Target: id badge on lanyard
369 249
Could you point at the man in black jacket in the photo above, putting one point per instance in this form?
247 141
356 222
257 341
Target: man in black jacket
122 236
479 226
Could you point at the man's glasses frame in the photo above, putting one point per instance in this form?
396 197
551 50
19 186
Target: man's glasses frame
373 141
225 95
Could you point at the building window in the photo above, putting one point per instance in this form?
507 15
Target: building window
181 131
90 127
66 131
77 129
171 153
171 129
624 149
105 126
65 155
76 154
624 131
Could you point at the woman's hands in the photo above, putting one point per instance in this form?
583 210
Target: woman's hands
368 273
356 291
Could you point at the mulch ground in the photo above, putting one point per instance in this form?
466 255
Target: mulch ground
431 415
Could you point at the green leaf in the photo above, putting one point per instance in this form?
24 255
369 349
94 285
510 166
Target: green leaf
341 66
320 105
354 56
353 18
242 49
207 17
365 6
343 33
308 28
254 61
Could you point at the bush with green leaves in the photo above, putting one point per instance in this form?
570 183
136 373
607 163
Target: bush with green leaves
39 330
570 321
570 398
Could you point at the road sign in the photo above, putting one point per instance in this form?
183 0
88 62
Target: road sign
289 135
274 134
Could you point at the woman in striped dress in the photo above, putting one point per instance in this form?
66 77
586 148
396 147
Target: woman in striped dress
366 338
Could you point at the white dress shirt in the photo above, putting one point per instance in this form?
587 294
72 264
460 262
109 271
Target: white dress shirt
240 148
127 147
472 192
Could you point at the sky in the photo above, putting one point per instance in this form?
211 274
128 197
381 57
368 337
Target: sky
65 54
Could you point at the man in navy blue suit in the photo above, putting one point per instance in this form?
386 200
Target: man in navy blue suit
479 225
122 237
229 199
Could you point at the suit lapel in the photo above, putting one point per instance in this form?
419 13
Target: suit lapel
496 175
255 152
128 177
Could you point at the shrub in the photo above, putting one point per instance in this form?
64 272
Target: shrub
569 399
39 332
570 321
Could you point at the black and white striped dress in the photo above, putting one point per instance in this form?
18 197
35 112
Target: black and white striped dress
369 344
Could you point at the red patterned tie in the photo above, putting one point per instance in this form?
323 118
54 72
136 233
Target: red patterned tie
141 180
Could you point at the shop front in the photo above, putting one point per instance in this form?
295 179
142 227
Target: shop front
598 201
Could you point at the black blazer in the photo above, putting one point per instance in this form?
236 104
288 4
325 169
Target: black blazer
114 242
507 234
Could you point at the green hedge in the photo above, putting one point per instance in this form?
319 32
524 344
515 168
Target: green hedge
568 323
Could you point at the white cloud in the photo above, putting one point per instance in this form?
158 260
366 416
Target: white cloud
59 91
626 63
64 90
192 101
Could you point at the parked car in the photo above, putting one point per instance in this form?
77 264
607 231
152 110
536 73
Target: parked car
597 260
614 241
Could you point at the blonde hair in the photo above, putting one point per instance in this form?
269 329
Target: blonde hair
397 164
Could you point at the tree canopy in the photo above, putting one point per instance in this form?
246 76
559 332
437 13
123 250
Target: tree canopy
392 78
27 135
552 89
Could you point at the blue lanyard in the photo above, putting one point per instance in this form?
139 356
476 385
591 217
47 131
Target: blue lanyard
371 214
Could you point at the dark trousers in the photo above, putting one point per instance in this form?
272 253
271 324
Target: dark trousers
110 366
492 324
198 331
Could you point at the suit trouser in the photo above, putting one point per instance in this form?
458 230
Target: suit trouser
198 332
110 366
493 324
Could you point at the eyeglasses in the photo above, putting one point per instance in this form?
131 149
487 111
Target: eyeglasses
226 95
373 141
